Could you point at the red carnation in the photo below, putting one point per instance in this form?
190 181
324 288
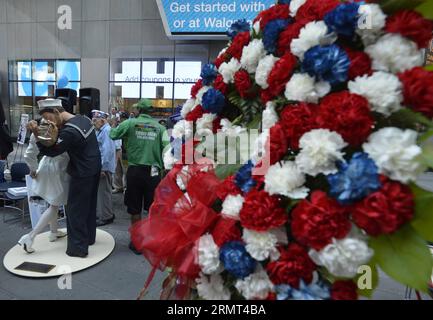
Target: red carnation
243 83
418 90
313 10
293 266
279 11
360 63
228 187
277 144
266 95
225 230
316 222
344 290
285 38
195 114
412 25
238 44
262 211
348 114
297 120
281 74
224 57
386 210
220 85
196 88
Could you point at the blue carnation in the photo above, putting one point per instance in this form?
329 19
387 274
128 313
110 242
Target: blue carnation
237 27
213 101
271 33
208 73
354 180
243 178
343 19
236 260
314 291
330 63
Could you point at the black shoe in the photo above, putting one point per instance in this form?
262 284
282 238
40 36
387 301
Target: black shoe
132 248
101 223
76 254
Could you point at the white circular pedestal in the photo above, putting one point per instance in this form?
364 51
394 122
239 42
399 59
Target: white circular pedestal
54 253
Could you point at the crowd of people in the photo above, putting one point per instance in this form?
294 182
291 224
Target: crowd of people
84 161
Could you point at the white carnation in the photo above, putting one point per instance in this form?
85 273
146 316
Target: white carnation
395 153
208 255
372 23
204 125
182 128
382 90
303 87
252 54
320 150
212 288
261 245
200 94
169 159
310 36
264 68
270 116
232 205
394 53
342 258
188 106
228 70
295 5
287 180
256 286
231 130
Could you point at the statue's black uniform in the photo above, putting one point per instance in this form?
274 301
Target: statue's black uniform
77 137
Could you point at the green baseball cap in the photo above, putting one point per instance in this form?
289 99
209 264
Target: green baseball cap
144 104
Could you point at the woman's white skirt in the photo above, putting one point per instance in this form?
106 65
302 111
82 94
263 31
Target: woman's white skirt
52 181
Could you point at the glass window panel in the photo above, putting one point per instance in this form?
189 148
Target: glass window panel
182 91
157 90
125 70
123 102
69 70
43 71
127 90
157 71
20 70
44 89
188 71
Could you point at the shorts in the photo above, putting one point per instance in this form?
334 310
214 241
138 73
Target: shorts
140 188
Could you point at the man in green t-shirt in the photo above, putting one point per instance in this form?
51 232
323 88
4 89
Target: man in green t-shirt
147 140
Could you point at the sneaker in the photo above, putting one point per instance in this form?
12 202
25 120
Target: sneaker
56 235
26 242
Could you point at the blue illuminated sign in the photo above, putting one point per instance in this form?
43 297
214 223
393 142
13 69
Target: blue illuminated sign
200 17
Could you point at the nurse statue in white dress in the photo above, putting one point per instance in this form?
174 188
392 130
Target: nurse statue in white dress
50 182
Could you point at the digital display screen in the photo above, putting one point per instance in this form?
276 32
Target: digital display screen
183 17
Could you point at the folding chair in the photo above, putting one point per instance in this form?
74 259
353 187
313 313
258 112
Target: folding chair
19 171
